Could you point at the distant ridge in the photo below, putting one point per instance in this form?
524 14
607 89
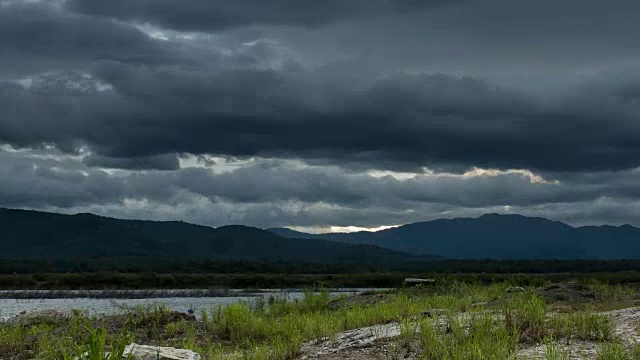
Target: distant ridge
35 234
495 236
26 234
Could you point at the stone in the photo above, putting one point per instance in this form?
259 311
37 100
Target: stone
515 289
342 343
145 352
416 281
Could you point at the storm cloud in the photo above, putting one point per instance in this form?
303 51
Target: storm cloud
401 122
203 15
287 114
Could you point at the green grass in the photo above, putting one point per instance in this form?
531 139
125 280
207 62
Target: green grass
275 329
553 351
526 314
477 338
586 325
613 351
11 339
634 352
83 341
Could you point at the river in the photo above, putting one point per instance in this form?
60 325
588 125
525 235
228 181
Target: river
10 307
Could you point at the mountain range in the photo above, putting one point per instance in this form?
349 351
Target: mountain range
36 235
494 236
33 234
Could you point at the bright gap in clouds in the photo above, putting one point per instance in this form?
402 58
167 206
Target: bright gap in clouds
347 229
475 172
338 229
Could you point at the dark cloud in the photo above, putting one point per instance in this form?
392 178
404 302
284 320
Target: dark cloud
101 102
158 162
38 182
38 36
538 44
255 100
203 15
401 122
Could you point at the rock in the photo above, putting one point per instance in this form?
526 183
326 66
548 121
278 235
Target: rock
39 317
351 339
416 281
146 352
433 313
515 289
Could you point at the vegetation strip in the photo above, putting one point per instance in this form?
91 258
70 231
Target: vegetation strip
465 326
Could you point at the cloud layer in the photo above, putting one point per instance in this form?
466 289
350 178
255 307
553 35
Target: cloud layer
203 15
283 114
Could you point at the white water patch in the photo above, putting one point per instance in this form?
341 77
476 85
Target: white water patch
10 307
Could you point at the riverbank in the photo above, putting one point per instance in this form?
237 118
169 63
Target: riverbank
489 320
214 282
100 305
155 293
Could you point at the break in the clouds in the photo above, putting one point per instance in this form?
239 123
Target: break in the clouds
320 114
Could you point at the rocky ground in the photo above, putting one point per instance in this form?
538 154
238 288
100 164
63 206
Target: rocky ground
627 323
380 341
377 342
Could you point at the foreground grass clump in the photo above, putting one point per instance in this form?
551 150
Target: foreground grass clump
526 315
553 351
587 325
83 341
617 351
480 334
477 338
275 329
12 338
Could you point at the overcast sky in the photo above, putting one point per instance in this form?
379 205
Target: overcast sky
321 115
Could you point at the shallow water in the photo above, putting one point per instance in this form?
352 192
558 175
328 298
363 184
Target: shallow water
93 306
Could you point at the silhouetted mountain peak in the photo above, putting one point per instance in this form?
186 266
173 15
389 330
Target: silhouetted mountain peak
493 215
513 217
238 227
88 216
501 236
